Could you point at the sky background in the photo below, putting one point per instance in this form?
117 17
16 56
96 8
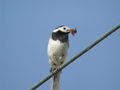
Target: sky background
25 28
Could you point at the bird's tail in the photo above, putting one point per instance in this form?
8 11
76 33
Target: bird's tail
55 81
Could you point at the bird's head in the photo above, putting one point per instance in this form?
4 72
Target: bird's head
65 30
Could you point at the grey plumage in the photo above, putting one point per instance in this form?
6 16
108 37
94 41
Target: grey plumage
55 81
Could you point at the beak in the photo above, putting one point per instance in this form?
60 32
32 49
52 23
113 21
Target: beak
73 31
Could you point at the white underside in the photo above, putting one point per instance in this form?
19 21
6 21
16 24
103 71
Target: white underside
57 52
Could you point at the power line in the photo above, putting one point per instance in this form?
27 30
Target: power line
76 56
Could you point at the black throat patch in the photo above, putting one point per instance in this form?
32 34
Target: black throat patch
61 36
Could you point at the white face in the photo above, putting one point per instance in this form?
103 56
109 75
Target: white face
64 29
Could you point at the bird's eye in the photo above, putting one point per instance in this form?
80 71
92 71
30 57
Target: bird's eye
64 28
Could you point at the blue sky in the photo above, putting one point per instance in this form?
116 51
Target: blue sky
25 27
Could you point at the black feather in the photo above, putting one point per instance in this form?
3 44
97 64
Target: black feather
61 36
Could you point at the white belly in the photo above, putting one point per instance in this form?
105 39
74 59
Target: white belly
57 52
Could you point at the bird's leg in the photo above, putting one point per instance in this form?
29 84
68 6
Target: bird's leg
58 67
53 67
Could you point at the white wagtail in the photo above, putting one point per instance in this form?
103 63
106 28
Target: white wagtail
58 50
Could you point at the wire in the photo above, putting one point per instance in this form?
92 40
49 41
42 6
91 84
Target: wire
76 56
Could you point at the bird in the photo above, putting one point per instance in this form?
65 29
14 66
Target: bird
58 45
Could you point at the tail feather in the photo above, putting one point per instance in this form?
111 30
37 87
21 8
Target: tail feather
55 81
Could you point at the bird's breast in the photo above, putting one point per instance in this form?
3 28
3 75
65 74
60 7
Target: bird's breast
57 48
